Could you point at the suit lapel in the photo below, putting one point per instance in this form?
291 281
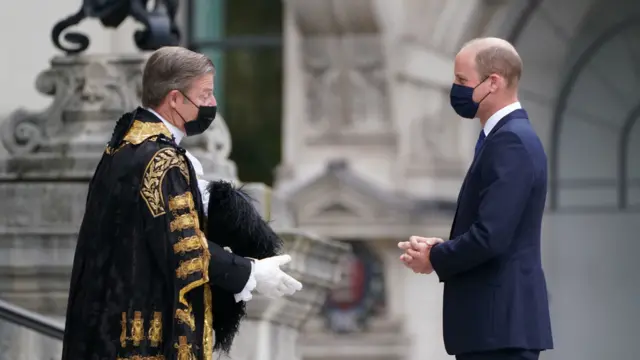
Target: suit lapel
516 114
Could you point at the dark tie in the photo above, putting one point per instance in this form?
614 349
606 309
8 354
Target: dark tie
480 142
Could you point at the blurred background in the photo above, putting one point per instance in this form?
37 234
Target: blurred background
342 108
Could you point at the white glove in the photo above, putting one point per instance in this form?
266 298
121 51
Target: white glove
273 282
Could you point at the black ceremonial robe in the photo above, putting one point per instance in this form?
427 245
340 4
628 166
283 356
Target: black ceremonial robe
143 270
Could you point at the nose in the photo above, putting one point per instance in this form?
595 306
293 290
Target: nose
212 101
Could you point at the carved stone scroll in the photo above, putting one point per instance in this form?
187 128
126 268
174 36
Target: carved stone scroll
88 94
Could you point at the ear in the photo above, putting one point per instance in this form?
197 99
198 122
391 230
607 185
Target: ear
495 81
173 98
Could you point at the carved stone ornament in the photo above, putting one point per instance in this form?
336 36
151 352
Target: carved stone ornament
88 92
344 66
345 84
335 17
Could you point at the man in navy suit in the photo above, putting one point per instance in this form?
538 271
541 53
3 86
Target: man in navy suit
495 294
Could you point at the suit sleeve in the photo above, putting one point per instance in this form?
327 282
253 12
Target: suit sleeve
507 176
194 261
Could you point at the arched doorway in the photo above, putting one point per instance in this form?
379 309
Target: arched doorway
591 150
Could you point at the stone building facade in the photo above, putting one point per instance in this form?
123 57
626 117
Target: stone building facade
372 154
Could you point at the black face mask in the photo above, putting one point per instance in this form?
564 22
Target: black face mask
204 119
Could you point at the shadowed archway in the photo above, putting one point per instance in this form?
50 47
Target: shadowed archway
600 35
580 66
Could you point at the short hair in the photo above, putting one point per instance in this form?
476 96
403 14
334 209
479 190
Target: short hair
497 56
171 68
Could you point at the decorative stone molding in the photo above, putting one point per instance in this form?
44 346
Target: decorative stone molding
89 94
346 85
344 69
335 17
339 203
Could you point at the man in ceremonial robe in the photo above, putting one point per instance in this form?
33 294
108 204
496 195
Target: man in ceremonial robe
144 270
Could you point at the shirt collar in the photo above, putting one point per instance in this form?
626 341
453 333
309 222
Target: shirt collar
177 133
495 118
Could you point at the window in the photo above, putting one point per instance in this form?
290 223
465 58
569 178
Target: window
244 40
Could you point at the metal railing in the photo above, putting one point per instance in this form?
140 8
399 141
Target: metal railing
31 320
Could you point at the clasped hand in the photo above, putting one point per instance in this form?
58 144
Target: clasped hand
417 253
271 281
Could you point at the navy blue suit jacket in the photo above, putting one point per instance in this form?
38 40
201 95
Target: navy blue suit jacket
495 293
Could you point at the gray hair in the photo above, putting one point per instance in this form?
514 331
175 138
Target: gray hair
171 68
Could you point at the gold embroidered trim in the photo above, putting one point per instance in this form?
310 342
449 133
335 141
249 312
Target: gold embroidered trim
137 328
185 221
110 151
187 244
189 267
184 201
141 131
154 173
123 333
141 357
186 317
208 334
190 287
155 329
203 241
184 349
138 133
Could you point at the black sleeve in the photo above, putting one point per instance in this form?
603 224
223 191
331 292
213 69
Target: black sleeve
230 272
180 242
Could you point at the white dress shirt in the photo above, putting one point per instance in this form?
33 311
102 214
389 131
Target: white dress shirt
178 135
495 118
